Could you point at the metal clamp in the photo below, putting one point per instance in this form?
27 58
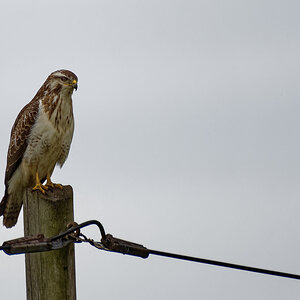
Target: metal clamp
125 247
32 244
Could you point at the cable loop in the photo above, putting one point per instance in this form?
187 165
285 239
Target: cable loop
109 243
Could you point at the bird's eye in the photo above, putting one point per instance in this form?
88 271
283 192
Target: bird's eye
64 78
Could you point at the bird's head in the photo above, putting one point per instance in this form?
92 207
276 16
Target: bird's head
64 80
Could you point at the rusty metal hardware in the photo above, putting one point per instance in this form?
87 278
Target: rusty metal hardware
73 235
125 247
109 243
32 244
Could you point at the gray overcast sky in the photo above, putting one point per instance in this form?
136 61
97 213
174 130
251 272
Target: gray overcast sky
186 138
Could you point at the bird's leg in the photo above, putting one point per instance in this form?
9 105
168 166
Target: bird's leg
51 184
38 185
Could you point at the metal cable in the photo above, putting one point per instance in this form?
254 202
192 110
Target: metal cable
112 244
224 264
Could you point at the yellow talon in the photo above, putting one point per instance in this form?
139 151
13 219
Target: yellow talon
53 185
49 182
58 185
38 186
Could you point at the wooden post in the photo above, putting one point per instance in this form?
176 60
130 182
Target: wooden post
49 275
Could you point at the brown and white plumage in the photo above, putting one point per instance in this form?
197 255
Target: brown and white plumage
40 138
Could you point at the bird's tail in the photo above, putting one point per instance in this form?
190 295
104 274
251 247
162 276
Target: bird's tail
10 207
3 203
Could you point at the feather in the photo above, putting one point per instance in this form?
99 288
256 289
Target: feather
40 138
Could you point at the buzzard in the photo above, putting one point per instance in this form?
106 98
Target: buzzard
40 138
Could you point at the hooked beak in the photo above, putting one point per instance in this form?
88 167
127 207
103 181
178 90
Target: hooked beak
74 83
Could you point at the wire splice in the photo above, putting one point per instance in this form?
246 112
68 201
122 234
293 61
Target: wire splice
125 247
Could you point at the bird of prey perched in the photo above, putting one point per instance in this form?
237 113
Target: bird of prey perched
40 138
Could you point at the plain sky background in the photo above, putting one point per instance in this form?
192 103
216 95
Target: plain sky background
186 139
